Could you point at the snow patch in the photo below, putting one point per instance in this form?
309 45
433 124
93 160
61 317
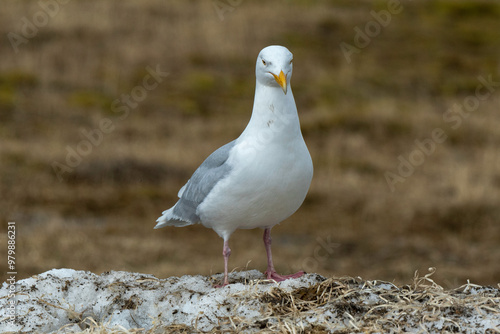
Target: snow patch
77 300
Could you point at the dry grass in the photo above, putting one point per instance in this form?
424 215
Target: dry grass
357 119
336 305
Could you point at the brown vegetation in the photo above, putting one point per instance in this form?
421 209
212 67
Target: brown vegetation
357 119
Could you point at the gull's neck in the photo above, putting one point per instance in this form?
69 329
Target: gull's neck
273 113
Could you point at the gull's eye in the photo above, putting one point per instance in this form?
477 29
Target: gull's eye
264 62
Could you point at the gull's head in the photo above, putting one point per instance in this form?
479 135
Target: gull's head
274 67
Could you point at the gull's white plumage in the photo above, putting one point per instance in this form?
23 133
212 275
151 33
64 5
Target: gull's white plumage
263 176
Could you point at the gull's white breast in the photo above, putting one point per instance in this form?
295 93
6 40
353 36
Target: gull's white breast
268 182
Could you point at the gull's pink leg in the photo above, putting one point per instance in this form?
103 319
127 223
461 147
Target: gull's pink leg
226 252
271 272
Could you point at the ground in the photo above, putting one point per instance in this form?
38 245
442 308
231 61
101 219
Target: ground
69 301
107 107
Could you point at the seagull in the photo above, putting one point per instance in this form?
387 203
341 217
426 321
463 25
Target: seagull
259 179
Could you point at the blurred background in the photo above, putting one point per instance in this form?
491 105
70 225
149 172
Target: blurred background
399 106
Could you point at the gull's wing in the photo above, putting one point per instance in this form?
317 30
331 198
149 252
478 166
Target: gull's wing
194 192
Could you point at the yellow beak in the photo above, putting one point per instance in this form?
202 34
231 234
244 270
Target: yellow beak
281 80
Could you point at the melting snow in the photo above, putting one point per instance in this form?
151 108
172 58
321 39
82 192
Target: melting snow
75 300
